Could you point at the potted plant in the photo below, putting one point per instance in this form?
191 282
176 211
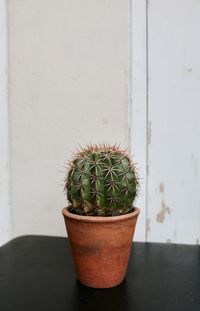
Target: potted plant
101 185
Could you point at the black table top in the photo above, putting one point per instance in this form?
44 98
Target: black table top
36 273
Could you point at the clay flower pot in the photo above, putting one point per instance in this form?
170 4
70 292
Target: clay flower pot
100 246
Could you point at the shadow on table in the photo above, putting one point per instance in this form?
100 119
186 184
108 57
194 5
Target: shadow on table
85 298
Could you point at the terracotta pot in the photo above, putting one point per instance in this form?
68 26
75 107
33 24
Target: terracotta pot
100 247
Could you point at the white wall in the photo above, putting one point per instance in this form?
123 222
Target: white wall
5 213
173 121
166 68
69 65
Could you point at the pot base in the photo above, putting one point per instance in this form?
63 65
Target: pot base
94 285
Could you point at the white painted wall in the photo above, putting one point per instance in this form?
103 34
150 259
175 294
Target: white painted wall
172 83
173 121
69 84
5 213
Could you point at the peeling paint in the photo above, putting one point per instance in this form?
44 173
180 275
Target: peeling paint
189 69
104 121
164 208
149 133
163 212
162 187
148 229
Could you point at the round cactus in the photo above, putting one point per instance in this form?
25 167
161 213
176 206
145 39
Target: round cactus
101 181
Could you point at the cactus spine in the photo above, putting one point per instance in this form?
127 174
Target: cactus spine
101 181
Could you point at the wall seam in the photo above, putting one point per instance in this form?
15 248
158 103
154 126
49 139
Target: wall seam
147 116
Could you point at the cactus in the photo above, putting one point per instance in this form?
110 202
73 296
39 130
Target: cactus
101 181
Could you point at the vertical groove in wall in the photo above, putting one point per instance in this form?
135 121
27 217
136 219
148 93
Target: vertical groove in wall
139 106
9 118
5 220
130 103
147 116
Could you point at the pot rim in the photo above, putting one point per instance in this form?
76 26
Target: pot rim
99 219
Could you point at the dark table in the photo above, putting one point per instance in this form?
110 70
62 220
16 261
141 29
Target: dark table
36 273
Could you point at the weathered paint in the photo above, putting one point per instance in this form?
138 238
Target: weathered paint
148 228
163 212
173 109
166 128
162 187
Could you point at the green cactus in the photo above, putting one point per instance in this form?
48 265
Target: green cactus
101 181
